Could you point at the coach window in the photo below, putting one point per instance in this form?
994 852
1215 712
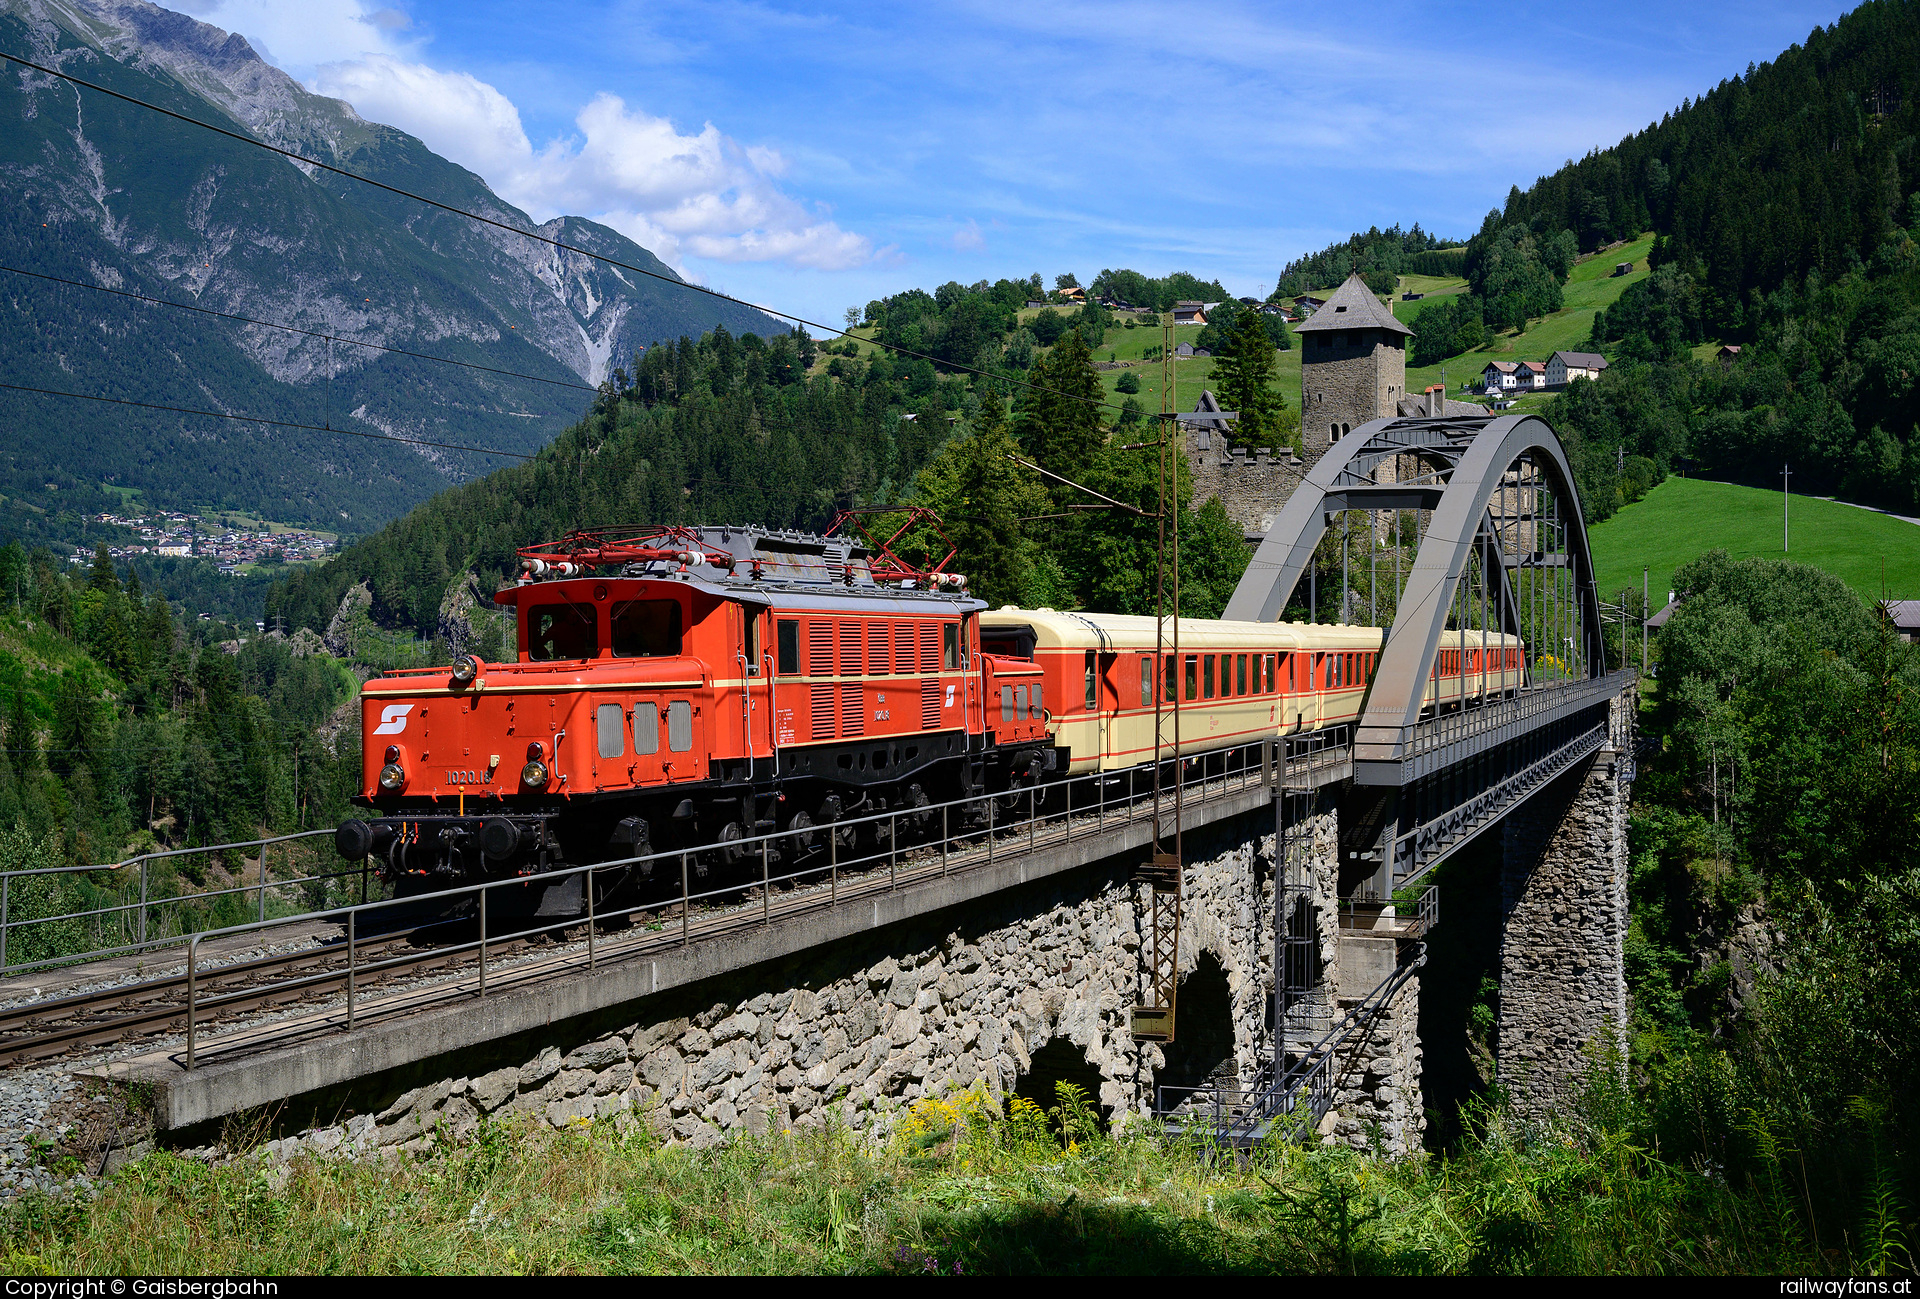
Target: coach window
1206 676
646 629
789 636
1240 674
562 631
1193 677
1146 680
1093 684
950 642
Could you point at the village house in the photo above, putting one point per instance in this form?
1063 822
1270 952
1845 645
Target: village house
1073 293
1529 376
1727 355
1498 376
1189 313
1564 367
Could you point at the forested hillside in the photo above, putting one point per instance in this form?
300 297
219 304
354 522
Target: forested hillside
1785 203
130 725
736 430
1381 256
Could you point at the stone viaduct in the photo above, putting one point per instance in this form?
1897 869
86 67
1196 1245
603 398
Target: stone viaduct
1024 973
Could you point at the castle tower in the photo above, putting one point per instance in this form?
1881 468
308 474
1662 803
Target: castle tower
1353 366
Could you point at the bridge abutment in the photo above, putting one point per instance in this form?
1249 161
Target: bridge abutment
1563 993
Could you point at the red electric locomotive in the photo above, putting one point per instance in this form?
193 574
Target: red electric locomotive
680 687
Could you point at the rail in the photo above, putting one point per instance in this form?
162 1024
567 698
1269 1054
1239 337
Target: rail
822 865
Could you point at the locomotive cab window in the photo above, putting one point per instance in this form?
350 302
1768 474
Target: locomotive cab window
753 620
950 646
789 649
562 631
646 629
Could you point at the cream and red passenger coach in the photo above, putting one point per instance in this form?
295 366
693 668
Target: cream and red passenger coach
1234 682
690 687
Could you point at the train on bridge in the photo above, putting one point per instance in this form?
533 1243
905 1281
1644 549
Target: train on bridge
679 688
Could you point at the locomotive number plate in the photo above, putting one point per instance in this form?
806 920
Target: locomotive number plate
465 778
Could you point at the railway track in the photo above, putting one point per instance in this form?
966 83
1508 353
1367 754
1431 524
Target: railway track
39 1031
74 1026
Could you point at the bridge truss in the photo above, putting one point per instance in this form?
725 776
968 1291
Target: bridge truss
1448 532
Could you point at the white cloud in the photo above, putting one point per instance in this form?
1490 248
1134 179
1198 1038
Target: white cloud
703 195
299 37
458 116
968 239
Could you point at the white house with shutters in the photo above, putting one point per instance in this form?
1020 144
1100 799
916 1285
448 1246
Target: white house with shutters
1564 367
1497 376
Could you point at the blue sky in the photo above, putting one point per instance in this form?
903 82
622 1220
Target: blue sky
814 157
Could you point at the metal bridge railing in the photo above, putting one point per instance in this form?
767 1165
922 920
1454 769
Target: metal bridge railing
141 912
1399 755
830 862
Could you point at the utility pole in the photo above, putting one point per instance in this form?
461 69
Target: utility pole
1786 474
1646 589
1153 1021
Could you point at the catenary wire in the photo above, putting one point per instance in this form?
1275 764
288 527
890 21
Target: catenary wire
538 238
295 329
255 419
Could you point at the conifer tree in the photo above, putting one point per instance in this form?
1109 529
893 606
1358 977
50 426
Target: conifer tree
1060 416
103 577
1246 382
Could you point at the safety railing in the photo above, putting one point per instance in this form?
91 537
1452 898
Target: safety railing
1456 732
1360 916
821 865
139 914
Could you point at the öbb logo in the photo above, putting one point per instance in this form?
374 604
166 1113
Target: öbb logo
393 719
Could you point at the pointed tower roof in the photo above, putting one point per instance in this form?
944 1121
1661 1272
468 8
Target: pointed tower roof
1353 306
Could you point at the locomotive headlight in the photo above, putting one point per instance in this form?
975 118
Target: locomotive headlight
465 669
393 777
534 774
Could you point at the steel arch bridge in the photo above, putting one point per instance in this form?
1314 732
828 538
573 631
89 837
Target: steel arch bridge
1490 511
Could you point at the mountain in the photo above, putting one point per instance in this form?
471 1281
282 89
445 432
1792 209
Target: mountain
107 193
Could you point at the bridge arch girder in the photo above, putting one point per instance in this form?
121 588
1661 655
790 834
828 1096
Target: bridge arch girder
1474 455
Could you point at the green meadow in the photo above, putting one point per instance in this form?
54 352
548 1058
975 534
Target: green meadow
1684 517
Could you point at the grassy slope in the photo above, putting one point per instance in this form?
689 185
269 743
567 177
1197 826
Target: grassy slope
1591 287
1684 516
951 1194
